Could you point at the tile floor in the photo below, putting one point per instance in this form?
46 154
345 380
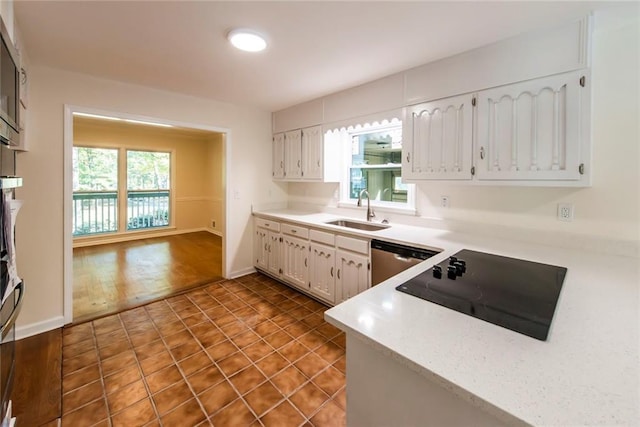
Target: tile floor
249 351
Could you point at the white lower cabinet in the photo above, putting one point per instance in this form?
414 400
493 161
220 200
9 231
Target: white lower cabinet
352 275
295 262
322 272
274 265
261 248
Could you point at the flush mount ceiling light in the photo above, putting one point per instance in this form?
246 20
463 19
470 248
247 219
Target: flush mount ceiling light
247 40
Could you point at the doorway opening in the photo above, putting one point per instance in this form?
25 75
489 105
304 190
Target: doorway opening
144 210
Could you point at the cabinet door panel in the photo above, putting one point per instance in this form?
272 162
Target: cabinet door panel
295 261
437 139
533 130
275 254
312 153
352 275
278 156
293 154
322 272
261 248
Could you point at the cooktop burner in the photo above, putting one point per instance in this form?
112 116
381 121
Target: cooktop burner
512 293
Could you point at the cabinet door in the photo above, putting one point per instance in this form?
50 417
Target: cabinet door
312 153
352 274
534 130
278 156
322 271
437 139
261 248
275 254
295 253
293 154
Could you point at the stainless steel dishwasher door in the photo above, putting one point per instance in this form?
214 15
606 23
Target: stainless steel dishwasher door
389 259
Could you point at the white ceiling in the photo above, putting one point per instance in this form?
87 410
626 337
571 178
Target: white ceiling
315 48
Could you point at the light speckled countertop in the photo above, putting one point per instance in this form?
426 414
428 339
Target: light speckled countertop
586 373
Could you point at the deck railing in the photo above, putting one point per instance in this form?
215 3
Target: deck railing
97 211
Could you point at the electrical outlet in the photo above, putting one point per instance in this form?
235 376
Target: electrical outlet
213 223
444 201
565 211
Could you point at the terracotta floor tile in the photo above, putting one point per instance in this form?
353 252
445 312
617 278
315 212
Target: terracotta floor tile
121 378
81 396
312 340
313 320
263 398
195 319
178 338
288 380
330 415
86 415
137 414
308 399
278 339
247 379
77 333
340 399
340 340
266 328
138 340
293 351
126 396
112 337
163 378
203 327
185 350
171 397
330 352
234 328
217 397
80 377
328 330
257 350
284 320
187 414
149 350
156 362
311 364
222 350
341 364
106 324
272 364
297 329
234 363
224 319
78 348
330 380
236 414
205 378
113 350
87 358
171 328
117 362
282 415
213 337
194 363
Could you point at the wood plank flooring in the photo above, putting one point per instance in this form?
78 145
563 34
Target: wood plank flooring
111 278
37 387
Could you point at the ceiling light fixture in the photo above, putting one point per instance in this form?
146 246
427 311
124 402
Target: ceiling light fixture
247 40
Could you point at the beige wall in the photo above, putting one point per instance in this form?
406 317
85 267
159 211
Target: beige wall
194 183
39 227
611 207
216 173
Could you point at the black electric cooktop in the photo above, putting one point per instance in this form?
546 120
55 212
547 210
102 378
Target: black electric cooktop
512 293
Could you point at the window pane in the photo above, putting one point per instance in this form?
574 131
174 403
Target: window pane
376 159
95 190
148 174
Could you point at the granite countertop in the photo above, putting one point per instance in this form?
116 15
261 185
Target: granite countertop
586 373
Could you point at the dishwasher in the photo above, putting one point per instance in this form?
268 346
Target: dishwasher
389 259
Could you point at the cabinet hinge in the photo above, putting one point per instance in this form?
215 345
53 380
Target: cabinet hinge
473 101
581 168
368 266
583 81
473 170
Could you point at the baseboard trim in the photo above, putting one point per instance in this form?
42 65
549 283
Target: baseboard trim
240 273
135 236
212 231
36 328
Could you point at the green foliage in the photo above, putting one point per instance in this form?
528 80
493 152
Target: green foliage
95 169
148 170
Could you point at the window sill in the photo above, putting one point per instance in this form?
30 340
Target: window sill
381 207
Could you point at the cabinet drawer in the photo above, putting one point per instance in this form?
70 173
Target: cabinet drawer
265 223
351 244
322 237
295 230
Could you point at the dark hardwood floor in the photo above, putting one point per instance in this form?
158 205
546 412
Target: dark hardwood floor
37 389
114 277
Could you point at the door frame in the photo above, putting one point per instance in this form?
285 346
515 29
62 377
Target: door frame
68 189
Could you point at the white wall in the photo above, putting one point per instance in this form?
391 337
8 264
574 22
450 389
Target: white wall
40 223
611 207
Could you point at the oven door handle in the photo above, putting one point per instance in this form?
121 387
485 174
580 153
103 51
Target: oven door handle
16 310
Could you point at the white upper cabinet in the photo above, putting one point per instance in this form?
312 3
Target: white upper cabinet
536 130
278 156
437 139
312 153
293 154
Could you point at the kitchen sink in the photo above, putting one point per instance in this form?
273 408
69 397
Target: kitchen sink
366 226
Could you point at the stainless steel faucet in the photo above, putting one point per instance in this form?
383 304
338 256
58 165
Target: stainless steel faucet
370 212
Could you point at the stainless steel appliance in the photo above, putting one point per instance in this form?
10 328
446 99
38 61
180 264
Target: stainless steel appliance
509 292
9 89
389 259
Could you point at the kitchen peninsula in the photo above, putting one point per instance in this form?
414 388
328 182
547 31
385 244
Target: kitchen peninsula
411 362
